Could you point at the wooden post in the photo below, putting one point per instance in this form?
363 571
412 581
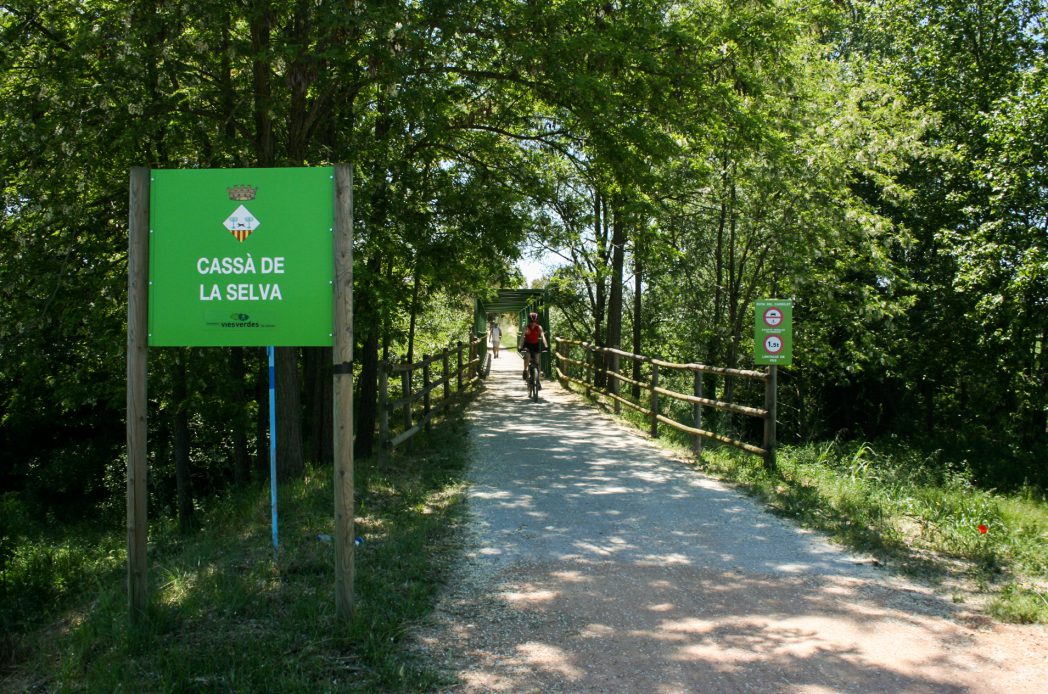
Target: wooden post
342 358
560 364
458 371
137 404
613 384
654 400
383 405
445 364
405 392
770 388
472 355
425 389
590 373
696 443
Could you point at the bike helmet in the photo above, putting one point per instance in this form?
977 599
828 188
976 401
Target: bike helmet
533 317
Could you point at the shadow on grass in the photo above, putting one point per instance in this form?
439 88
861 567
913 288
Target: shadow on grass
229 614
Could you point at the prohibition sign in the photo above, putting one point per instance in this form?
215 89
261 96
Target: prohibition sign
773 316
773 344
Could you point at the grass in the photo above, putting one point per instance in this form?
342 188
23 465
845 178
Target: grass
227 614
919 513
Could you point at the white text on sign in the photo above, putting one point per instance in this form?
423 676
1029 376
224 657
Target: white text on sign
241 266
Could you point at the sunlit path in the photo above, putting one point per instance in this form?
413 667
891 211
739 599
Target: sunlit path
598 563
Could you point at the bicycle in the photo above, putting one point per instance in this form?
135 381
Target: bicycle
534 382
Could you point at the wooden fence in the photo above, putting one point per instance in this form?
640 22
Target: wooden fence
594 362
414 386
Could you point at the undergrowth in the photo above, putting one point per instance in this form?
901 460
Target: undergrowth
918 511
228 613
924 516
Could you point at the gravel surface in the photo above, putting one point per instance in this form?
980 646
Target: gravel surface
596 562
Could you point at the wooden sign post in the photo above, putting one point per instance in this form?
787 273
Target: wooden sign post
287 237
137 335
342 357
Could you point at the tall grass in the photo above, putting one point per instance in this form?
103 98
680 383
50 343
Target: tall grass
922 514
230 614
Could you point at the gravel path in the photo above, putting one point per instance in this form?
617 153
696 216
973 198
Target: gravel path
596 562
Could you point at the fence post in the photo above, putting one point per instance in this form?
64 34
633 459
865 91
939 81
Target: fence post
458 372
472 370
447 375
696 444
613 382
425 389
590 372
383 405
770 387
654 400
405 389
635 388
562 362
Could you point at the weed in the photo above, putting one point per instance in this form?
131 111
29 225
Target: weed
915 510
1021 605
229 614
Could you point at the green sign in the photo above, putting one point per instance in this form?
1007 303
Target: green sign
773 332
241 257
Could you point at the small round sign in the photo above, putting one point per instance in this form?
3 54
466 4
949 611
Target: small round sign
773 344
773 316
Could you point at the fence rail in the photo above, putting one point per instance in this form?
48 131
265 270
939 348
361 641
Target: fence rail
596 360
415 402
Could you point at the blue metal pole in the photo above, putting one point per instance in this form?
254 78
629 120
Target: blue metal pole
273 442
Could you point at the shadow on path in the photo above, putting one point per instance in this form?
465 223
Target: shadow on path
600 564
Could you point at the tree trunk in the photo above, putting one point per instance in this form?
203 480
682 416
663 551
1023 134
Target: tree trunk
300 76
241 460
318 385
638 267
290 460
368 393
261 26
368 308
618 242
713 349
262 420
600 233
180 430
414 314
732 301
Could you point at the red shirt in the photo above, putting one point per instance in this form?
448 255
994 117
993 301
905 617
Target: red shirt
533 334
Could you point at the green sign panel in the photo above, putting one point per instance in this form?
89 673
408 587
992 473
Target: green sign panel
241 257
773 332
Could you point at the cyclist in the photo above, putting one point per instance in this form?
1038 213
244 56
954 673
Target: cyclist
532 340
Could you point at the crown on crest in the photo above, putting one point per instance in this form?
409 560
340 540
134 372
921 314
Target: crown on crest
242 192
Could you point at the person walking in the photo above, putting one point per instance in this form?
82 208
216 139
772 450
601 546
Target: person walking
496 337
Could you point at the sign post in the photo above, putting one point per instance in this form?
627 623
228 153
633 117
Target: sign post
271 359
137 404
239 257
342 358
773 347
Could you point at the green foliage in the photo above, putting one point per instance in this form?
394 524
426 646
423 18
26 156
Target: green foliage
910 509
880 163
43 571
1020 605
222 588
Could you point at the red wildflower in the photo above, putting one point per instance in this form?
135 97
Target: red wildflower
982 528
